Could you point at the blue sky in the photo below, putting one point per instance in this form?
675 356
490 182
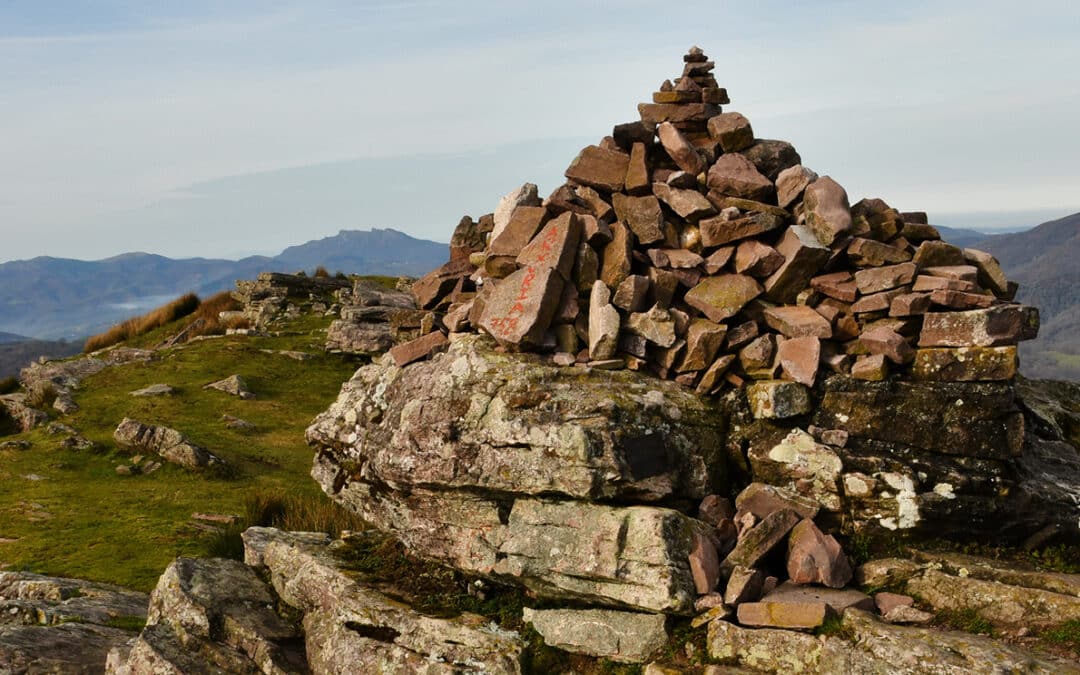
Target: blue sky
226 128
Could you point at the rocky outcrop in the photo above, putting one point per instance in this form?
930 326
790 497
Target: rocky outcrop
57 625
16 414
170 444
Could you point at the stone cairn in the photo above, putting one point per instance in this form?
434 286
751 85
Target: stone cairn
683 246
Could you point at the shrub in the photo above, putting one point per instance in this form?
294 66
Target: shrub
321 272
8 385
177 309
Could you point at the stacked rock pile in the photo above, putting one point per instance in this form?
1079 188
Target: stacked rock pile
683 246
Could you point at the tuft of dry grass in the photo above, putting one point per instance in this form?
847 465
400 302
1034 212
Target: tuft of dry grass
140 325
322 273
208 315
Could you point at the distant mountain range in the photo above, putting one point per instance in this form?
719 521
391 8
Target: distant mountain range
57 298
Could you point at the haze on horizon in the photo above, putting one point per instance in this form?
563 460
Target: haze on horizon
223 129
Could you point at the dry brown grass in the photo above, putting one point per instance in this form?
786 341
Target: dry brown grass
210 323
140 325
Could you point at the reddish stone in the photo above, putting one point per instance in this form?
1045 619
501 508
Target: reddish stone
521 308
960 300
928 283
722 297
888 343
599 168
737 176
637 172
466 240
714 509
682 180
846 328
722 201
703 341
757 259
677 258
758 353
626 135
887 602
762 499
791 183
434 286
675 112
919 231
732 131
704 563
718 259
878 302
871 368
596 233
771 157
642 215
744 585
597 205
869 253
663 284
760 540
910 304
710 379
990 274
615 261
794 321
838 285
690 204
632 294
679 149
877 279
828 213
742 334
804 256
555 246
524 223
992 327
966 273
816 558
938 254
799 358
417 349
723 230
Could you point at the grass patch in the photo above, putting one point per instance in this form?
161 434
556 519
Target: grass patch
967 619
85 521
129 623
1066 634
140 325
833 626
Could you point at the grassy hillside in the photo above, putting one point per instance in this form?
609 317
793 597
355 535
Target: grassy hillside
69 513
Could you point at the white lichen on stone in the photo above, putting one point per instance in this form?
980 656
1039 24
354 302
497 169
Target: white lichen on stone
944 490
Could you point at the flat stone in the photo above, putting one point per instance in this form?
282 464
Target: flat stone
628 134
677 258
992 327
420 348
757 259
762 500
724 230
555 246
430 289
965 364
803 615
877 279
170 444
816 558
968 273
526 195
704 563
736 176
627 637
718 259
615 261
759 541
886 602
771 157
906 614
960 300
799 358
656 326
795 321
990 274
778 399
732 131
677 112
690 204
877 302
638 177
869 253
888 343
838 599
710 379
925 283
721 297
744 585
521 308
828 213
599 168
838 285
804 256
703 341
603 323
758 353
522 225
155 390
938 254
632 294
909 304
642 215
679 149
791 184
234 385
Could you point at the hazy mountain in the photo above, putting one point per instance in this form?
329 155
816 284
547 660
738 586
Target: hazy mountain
960 237
1045 261
11 337
53 298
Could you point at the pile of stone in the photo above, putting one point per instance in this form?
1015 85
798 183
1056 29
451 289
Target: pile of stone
683 246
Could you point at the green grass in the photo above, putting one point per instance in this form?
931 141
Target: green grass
85 521
1066 634
967 619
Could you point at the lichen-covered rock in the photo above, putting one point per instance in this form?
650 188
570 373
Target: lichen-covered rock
995 601
135 436
21 414
67 649
475 420
619 636
234 385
